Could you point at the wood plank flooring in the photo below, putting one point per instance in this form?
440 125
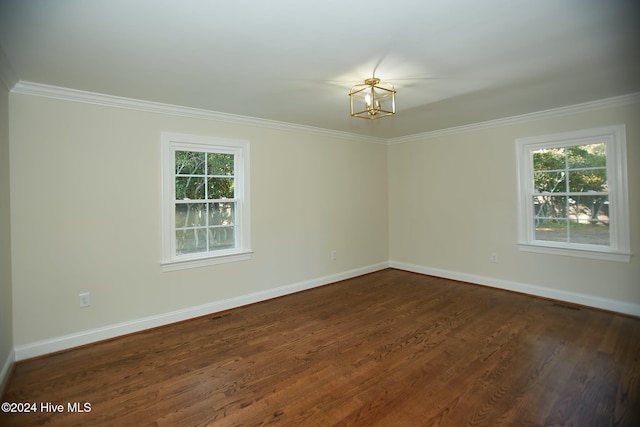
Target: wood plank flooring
390 348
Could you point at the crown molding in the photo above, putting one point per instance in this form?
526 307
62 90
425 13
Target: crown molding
67 94
37 89
616 101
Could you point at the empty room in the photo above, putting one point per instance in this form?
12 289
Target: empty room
334 213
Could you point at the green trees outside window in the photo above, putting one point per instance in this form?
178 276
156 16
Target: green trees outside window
204 201
570 198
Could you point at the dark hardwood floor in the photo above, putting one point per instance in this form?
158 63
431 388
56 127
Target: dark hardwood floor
390 348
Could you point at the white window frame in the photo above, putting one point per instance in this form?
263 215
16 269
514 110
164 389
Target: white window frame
172 142
614 137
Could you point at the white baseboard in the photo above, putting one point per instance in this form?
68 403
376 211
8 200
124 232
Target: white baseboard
111 331
6 371
556 294
94 335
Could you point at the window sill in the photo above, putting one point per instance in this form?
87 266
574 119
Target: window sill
204 262
575 252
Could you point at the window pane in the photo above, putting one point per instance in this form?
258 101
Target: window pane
222 213
189 163
549 182
547 208
548 159
588 180
220 188
589 233
589 209
552 231
221 238
550 218
587 156
189 188
190 241
190 215
219 164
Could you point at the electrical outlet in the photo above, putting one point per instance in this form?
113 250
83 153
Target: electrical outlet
84 300
334 255
494 258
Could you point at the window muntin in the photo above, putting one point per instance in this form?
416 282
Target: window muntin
205 203
573 198
570 194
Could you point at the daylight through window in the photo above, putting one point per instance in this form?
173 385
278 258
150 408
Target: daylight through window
206 204
570 197
573 194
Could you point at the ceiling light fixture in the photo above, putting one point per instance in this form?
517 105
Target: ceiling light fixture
373 99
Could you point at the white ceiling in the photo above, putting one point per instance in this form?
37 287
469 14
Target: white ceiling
453 62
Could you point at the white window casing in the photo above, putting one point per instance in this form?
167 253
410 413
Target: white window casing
174 259
614 138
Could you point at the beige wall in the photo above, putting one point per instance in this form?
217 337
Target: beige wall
86 215
453 202
6 312
85 200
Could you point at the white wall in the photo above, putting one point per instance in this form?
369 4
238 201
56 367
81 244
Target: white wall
6 312
85 200
453 202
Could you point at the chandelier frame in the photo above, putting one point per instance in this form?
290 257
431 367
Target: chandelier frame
373 99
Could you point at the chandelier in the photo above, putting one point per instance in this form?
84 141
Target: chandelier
373 99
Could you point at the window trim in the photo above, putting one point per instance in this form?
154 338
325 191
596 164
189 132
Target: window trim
172 142
614 138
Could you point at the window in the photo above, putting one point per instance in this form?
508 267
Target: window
205 212
573 194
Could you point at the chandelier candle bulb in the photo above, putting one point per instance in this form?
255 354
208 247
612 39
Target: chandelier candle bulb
373 99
